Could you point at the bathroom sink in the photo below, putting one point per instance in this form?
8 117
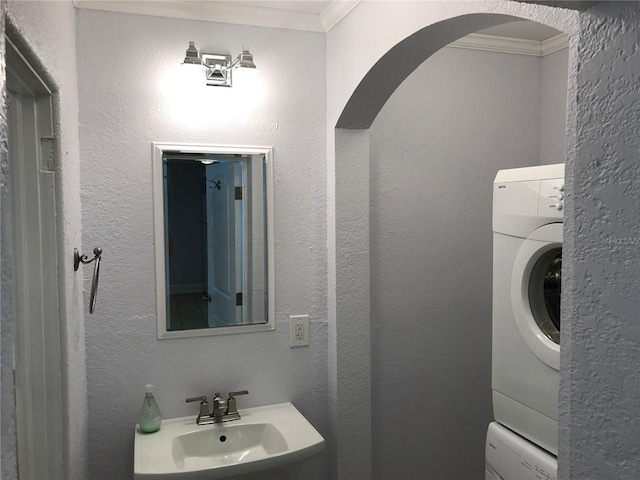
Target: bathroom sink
265 437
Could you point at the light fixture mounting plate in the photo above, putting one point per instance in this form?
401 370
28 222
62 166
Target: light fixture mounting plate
218 73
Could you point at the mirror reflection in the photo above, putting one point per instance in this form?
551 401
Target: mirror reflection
214 259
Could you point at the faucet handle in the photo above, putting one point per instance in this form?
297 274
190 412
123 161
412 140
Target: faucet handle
232 409
203 398
204 406
241 392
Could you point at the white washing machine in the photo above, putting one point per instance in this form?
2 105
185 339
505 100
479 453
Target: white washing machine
508 456
527 258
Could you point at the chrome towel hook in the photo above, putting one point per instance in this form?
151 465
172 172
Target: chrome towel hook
77 260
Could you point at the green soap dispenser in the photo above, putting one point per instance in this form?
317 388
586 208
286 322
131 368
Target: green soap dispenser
150 417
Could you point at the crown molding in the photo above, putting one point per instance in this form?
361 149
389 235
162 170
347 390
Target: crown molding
223 12
230 12
518 46
493 43
242 14
335 12
554 44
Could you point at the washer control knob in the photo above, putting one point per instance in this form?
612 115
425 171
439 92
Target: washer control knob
558 206
561 187
560 196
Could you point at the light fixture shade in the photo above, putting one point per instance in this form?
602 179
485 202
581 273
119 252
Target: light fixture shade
192 55
245 59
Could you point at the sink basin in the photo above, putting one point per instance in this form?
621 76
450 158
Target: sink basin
265 437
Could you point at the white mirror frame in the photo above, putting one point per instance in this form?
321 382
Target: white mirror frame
158 150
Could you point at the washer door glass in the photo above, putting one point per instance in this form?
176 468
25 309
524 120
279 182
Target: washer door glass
544 293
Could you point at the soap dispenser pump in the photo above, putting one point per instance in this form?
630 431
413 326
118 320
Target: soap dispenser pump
150 417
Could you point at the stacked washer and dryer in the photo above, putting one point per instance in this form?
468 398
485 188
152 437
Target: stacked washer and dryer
528 206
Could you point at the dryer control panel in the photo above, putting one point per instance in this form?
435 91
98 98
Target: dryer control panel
525 198
551 198
510 456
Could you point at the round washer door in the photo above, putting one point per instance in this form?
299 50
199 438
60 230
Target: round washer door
535 292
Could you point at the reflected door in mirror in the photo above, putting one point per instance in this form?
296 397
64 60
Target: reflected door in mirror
212 264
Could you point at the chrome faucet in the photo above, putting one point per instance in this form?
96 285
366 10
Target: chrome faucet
223 410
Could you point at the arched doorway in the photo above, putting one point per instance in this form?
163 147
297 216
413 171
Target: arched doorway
351 230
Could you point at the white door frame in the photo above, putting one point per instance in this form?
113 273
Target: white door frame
33 258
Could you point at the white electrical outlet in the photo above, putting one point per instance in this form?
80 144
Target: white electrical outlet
299 332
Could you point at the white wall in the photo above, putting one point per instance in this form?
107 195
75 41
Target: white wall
553 107
128 98
435 149
49 30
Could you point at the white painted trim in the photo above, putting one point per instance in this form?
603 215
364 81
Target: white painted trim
493 43
228 12
518 46
335 12
33 243
158 149
222 12
241 14
554 44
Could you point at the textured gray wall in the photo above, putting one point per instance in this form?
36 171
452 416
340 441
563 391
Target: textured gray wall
435 149
8 451
600 385
121 113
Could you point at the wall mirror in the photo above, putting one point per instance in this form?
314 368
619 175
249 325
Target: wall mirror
214 247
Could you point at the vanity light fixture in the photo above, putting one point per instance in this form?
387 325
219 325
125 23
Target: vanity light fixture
218 67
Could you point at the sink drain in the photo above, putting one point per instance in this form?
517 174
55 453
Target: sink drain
223 438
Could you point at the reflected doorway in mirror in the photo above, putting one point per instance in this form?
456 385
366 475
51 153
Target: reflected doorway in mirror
213 213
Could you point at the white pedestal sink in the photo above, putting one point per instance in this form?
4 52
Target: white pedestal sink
265 437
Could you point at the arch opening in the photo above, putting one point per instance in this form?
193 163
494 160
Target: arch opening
352 215
401 60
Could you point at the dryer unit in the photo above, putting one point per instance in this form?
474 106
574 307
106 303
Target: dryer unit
509 456
527 258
